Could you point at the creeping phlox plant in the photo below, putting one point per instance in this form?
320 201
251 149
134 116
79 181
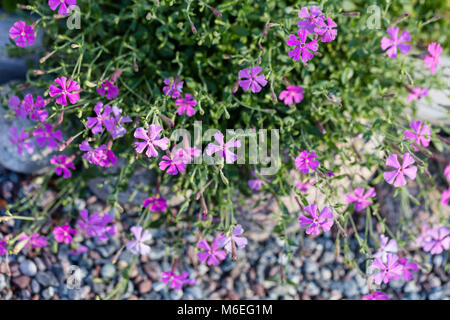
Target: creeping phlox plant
115 92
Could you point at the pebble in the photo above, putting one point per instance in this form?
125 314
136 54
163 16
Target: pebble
108 271
22 282
47 279
28 268
48 293
3 283
35 287
145 286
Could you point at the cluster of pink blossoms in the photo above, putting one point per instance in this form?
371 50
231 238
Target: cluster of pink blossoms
96 225
434 240
315 221
176 281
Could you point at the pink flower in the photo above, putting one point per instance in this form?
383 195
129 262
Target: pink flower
47 136
395 42
387 246
421 134
64 233
190 153
377 295
33 241
22 34
256 183
34 109
108 88
437 241
173 87
445 197
292 94
417 93
174 163
176 281
151 140
18 139
63 164
19 108
407 267
397 177
226 242
424 235
326 32
212 255
435 50
304 161
102 119
156 204
303 186
253 80
324 220
302 49
138 246
388 271
3 248
447 172
63 5
360 199
68 89
310 20
186 105
100 156
96 225
118 130
223 148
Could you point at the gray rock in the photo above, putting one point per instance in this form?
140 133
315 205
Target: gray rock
326 274
108 271
176 294
411 287
313 289
47 279
106 251
195 291
3 283
310 267
48 293
35 287
158 286
327 257
28 267
350 289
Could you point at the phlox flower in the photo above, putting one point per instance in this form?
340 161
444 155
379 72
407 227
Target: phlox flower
302 49
22 34
316 221
445 197
108 88
305 161
186 105
212 254
19 108
64 233
18 139
397 177
102 119
157 204
151 140
118 130
292 94
174 163
257 183
432 61
360 199
417 93
395 42
63 164
63 5
3 248
447 172
309 19
190 153
226 241
100 156
34 240
420 134
389 270
96 225
47 136
138 245
68 89
407 267
423 236
176 281
173 87
437 241
387 246
376 295
325 30
252 79
222 148
35 108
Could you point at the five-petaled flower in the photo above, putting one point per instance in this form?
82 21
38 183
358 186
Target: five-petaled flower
396 42
256 183
420 134
388 270
186 105
108 88
138 245
325 30
64 5
233 240
151 140
100 155
174 163
316 221
387 246
22 34
302 49
63 164
96 225
47 135
397 177
292 94
437 240
157 204
212 254
18 139
64 233
305 161
102 119
360 199
249 78
176 281
68 89
19 108
173 87
407 267
432 61
35 108
417 93
309 20
222 148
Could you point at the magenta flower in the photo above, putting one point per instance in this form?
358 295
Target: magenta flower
186 105
63 5
173 87
309 19
325 30
395 42
447 172
63 164
64 233
96 225
157 204
3 248
421 135
47 136
397 177
377 295
445 197
138 245
19 108
18 139
100 156
303 186
176 281
292 94
417 93
190 153
256 183
437 241
174 163
22 34
226 242
304 161
118 130
302 49
34 109
360 199
432 61
102 119
252 79
33 241
151 140
212 255
323 220
108 88
67 89
407 267
387 246
222 148
388 271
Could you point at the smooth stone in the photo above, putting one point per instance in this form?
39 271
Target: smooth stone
22 282
3 283
28 268
108 271
35 287
48 293
47 279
